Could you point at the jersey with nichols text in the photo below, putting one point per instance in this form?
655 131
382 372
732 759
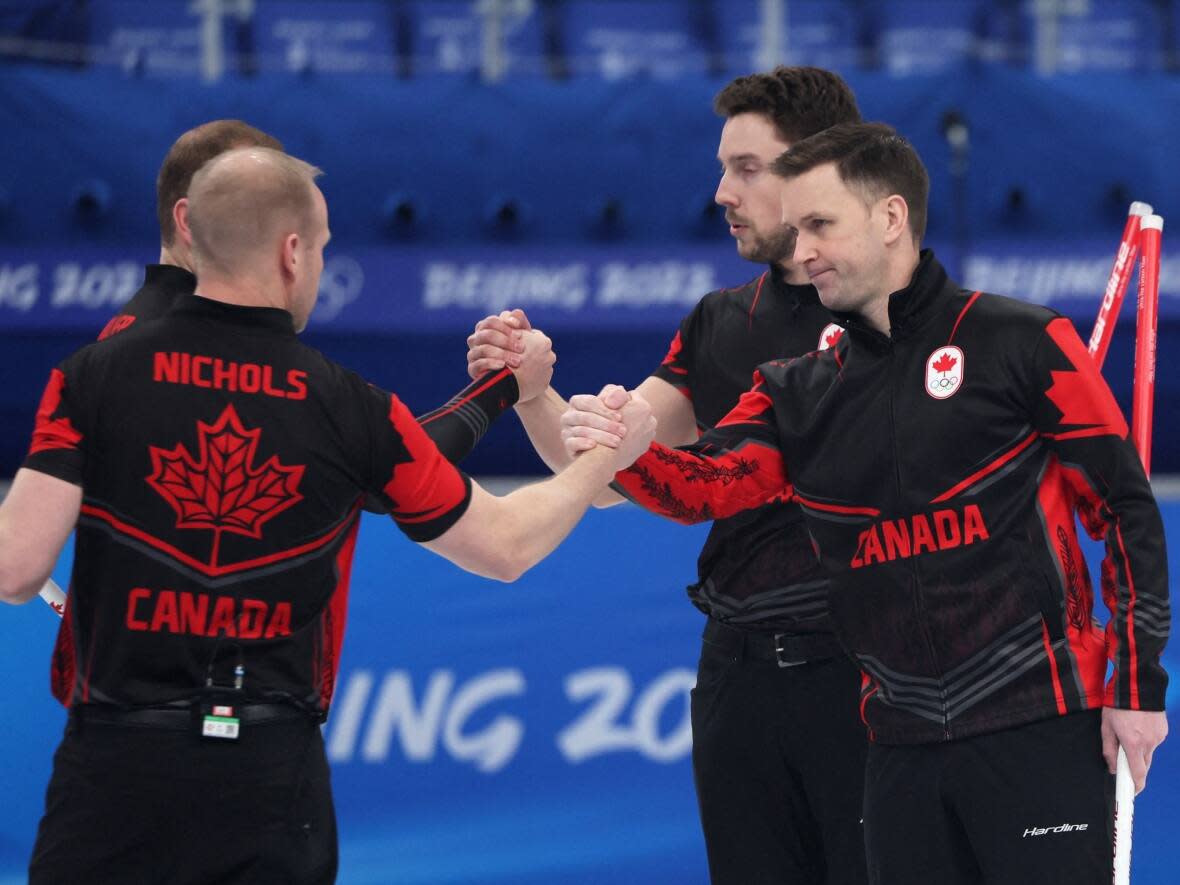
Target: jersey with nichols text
938 469
223 466
455 427
758 569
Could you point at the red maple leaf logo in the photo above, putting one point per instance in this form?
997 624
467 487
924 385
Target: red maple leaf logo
833 336
944 363
220 490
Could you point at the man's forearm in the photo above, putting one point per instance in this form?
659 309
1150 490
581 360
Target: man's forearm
541 417
35 520
689 487
546 512
501 538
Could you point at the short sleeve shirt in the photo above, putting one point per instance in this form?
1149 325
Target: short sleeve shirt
223 465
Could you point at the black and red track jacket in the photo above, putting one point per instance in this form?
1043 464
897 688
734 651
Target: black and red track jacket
223 464
937 469
757 569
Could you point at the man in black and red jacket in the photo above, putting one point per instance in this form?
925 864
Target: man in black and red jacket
215 468
777 744
935 452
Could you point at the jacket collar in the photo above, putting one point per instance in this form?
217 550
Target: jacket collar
170 278
909 308
791 293
197 305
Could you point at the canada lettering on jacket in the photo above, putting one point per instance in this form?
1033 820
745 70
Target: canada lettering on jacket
218 374
199 614
892 539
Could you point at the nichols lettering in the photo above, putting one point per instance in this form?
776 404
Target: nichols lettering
218 374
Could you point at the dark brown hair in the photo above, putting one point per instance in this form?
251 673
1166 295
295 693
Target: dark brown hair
192 151
799 101
870 158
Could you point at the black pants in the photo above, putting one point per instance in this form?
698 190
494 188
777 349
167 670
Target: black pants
778 756
1024 806
140 805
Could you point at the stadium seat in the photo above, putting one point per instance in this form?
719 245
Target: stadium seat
62 26
824 33
329 36
926 36
445 36
1111 36
661 39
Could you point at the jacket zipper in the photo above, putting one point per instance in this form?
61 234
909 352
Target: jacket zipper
919 603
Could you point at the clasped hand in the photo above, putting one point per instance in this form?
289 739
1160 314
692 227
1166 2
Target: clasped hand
616 419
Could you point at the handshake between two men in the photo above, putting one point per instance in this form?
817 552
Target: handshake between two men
561 431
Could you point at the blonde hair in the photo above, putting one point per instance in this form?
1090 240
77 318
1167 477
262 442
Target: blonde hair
243 200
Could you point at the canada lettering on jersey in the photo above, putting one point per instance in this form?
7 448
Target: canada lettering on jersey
218 374
892 539
199 614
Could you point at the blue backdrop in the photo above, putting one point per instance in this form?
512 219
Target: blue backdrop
492 734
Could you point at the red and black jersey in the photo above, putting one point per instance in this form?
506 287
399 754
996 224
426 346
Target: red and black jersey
223 464
937 469
757 569
455 427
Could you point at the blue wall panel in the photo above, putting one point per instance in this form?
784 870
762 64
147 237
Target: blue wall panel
463 738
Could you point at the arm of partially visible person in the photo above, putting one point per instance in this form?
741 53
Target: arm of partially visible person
42 506
496 342
1076 414
736 466
36 518
460 423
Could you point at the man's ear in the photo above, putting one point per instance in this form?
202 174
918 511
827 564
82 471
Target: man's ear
897 218
180 220
290 258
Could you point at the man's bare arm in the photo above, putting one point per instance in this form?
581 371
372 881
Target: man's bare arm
36 518
503 537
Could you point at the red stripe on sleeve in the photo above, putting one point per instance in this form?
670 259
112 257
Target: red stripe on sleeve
50 432
490 380
1132 652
